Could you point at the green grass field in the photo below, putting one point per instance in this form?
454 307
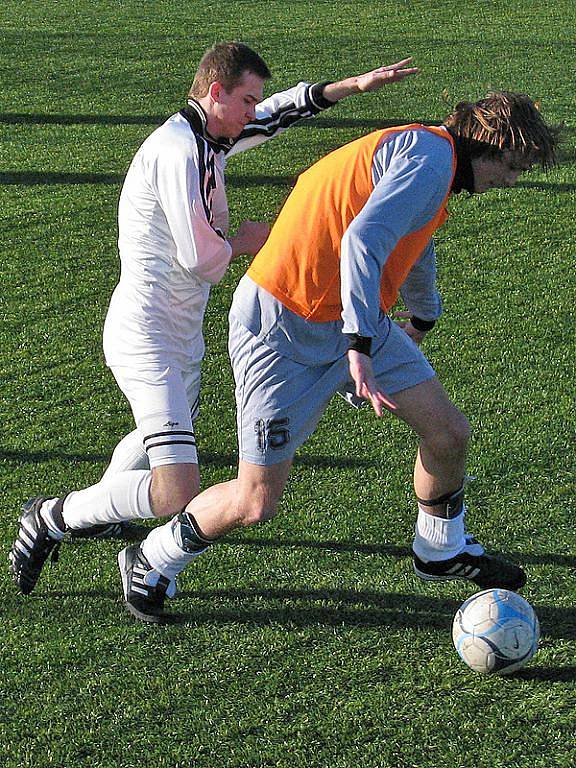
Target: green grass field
306 642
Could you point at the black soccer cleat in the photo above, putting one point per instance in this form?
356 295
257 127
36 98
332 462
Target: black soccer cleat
485 571
123 531
32 546
142 600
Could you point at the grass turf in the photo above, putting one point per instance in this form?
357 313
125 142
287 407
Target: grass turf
305 642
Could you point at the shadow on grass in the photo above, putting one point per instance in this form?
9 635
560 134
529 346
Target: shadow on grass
391 550
39 457
304 607
307 607
206 459
36 178
547 674
49 178
292 608
251 606
22 118
544 186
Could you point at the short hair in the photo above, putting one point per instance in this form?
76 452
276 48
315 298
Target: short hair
226 63
504 121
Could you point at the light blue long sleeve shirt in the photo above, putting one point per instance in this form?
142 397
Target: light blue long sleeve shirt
412 172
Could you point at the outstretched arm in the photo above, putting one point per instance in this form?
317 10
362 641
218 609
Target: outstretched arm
283 109
369 81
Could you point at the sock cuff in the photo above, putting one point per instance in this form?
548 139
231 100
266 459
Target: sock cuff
143 479
57 513
438 538
51 511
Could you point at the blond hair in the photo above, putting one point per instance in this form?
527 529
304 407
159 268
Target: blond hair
504 121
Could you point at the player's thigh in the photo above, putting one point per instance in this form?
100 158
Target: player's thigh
279 401
159 401
192 380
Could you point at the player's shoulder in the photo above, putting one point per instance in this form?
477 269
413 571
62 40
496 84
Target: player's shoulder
174 136
421 139
419 147
415 151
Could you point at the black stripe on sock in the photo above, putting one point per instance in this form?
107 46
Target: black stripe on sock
170 442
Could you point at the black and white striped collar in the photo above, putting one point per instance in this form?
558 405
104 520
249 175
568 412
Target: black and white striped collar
197 118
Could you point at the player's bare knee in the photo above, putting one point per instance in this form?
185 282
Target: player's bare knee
256 511
451 437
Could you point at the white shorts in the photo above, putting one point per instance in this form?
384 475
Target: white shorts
165 403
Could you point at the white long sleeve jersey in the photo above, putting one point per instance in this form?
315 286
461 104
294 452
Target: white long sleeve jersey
173 222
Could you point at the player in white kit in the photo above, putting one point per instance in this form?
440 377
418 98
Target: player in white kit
174 245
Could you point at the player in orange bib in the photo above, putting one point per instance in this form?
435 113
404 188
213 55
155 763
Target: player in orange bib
310 318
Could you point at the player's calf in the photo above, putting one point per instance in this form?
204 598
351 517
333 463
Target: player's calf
173 486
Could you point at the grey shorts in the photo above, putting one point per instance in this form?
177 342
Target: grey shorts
279 401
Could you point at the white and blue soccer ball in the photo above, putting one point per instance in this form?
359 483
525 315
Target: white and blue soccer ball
496 631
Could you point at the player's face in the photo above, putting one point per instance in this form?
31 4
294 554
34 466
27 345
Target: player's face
236 108
498 172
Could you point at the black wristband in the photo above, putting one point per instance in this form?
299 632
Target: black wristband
362 344
422 325
317 95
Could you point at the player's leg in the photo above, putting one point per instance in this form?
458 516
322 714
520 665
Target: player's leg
444 434
129 454
279 403
160 404
442 548
149 570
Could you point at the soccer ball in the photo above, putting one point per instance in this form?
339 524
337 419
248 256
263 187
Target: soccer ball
496 631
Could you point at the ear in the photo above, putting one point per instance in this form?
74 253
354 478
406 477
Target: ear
216 91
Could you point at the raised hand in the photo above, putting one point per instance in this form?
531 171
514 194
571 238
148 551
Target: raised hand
392 73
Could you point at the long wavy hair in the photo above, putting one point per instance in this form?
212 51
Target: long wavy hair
504 121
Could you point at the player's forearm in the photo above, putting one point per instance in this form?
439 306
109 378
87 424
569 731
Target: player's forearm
369 81
250 237
334 92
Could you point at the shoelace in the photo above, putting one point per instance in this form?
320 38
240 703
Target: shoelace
55 556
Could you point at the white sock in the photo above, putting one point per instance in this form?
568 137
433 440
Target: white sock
437 538
163 550
128 454
46 514
114 499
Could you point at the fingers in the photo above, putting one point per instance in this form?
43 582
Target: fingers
366 384
387 402
400 74
378 399
399 64
399 69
